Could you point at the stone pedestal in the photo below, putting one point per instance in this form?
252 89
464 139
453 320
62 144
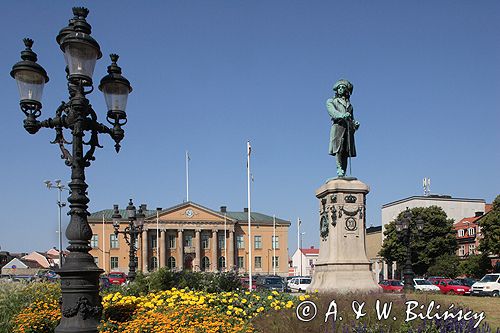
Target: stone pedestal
342 265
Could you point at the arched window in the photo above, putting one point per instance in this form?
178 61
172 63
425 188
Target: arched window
171 263
205 264
222 263
154 263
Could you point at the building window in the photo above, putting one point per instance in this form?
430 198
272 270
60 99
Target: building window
171 263
171 241
222 241
94 241
461 250
258 262
240 262
276 242
222 263
154 263
114 263
257 242
472 249
205 264
204 240
276 262
188 240
96 260
240 242
152 241
472 231
113 241
461 233
311 263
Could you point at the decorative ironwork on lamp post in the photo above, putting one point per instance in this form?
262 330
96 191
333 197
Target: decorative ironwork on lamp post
405 234
81 303
131 233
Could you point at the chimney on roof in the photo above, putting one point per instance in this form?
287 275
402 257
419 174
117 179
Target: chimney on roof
479 214
312 247
245 209
223 209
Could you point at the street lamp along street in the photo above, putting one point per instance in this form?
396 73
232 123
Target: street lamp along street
403 230
131 232
81 303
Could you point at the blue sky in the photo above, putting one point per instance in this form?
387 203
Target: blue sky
210 75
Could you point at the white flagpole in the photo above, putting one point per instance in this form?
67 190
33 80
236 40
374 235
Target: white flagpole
187 175
249 150
225 243
103 246
158 240
298 242
274 244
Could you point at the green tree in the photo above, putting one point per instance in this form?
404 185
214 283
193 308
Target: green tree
436 238
490 227
445 265
475 266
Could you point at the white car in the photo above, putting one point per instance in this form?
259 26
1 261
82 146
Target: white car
299 284
489 285
424 285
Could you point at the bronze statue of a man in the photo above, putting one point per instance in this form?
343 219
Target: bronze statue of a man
343 125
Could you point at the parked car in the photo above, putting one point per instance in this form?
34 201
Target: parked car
424 285
453 287
299 284
436 279
246 280
467 281
104 282
489 285
270 283
391 286
118 278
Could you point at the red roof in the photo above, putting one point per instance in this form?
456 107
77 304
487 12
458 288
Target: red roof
311 250
466 220
487 208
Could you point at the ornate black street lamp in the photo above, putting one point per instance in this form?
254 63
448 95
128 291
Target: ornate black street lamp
81 303
405 235
131 232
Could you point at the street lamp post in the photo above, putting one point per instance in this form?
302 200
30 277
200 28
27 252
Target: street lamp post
81 303
58 185
131 233
405 234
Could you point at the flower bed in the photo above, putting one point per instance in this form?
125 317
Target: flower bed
167 311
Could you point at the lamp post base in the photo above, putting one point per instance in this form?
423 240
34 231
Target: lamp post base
81 302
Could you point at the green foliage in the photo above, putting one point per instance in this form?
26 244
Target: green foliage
16 296
445 265
165 279
490 226
475 266
436 238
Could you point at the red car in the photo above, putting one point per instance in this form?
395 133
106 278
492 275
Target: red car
391 286
245 281
453 287
118 278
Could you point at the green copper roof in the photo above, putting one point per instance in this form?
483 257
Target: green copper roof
240 217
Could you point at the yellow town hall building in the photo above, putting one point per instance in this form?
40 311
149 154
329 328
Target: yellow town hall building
192 237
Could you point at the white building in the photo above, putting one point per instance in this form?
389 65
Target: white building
455 208
304 260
